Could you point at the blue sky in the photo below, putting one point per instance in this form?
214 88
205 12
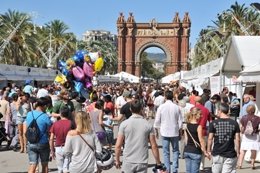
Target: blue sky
82 15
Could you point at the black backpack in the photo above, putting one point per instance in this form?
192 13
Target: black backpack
33 131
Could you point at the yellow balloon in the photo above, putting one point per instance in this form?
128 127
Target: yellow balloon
70 63
60 78
99 64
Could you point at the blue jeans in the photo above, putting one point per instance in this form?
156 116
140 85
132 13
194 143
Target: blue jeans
174 141
192 162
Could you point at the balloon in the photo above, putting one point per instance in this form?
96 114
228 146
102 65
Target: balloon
79 56
78 73
84 93
87 58
70 63
61 64
88 69
88 85
60 78
78 86
65 71
93 56
99 64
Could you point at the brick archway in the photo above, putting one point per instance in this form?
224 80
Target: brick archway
134 38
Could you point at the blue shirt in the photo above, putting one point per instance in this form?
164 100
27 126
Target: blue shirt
243 111
43 123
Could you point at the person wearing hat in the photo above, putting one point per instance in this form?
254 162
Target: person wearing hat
28 88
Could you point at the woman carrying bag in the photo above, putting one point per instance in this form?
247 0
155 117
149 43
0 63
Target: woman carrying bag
83 159
195 145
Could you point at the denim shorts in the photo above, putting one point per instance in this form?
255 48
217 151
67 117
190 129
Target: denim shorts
20 120
38 151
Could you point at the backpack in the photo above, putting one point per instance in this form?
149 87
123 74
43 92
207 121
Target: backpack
249 128
33 131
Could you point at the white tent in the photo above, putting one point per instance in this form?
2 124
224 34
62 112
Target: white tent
127 77
171 77
243 54
250 74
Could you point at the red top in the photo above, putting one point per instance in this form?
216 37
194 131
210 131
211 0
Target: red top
205 116
60 130
192 99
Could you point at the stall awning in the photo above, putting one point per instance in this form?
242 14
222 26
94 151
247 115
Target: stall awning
243 53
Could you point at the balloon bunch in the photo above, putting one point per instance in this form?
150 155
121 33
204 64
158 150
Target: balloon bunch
78 71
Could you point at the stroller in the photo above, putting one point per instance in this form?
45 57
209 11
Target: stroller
3 135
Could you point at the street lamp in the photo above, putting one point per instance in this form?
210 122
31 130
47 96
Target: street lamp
242 27
256 6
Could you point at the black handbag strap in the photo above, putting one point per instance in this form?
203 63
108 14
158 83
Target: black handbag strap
87 143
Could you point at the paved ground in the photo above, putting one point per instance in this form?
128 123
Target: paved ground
15 162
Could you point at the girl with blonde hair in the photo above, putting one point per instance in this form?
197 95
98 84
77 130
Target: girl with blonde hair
83 158
195 145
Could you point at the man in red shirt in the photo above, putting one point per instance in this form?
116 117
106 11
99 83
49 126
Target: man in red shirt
205 117
59 131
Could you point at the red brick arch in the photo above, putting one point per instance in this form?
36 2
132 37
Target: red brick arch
134 38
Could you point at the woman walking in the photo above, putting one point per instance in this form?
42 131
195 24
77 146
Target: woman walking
195 142
83 158
250 140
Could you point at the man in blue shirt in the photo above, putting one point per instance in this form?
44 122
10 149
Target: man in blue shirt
247 102
41 149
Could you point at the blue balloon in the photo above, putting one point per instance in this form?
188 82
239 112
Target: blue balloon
78 86
61 64
65 71
79 56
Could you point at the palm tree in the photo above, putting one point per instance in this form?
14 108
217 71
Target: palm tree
21 42
214 40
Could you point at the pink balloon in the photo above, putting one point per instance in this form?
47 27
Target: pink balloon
88 69
78 73
88 85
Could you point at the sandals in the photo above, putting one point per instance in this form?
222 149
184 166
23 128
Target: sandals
239 167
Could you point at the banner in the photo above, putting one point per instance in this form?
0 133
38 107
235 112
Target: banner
215 85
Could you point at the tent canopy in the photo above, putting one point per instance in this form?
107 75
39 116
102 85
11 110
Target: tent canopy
243 53
127 77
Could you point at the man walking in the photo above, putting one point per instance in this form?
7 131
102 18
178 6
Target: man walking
223 132
137 133
169 120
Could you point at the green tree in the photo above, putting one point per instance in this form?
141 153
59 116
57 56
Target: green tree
214 40
17 29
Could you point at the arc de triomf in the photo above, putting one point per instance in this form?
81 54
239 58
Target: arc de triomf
134 38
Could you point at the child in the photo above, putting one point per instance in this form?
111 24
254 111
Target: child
108 127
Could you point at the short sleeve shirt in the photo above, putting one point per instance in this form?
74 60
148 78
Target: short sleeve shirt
224 131
136 131
60 129
43 122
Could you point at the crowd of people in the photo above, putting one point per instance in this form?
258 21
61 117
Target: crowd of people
191 126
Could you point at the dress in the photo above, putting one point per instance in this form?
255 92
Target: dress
251 142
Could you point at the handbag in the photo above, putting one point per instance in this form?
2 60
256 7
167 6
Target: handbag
105 159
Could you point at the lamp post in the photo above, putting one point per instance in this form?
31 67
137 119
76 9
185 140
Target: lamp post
242 27
256 6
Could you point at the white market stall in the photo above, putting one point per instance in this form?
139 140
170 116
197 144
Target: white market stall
199 77
243 58
127 77
171 77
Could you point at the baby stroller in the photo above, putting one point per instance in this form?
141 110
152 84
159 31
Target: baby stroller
159 169
3 135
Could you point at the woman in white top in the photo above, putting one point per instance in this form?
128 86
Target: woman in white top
83 158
